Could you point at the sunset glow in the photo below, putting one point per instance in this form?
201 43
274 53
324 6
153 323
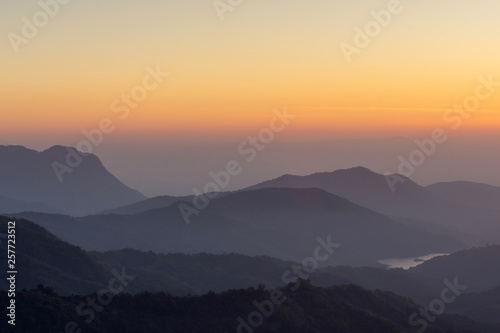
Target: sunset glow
227 76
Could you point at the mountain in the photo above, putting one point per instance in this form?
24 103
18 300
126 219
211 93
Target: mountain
360 185
481 306
282 223
298 307
62 178
409 200
42 258
478 268
162 201
11 206
469 193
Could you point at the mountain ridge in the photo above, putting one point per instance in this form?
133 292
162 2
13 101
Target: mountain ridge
84 187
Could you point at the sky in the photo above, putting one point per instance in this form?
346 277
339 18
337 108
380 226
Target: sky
229 69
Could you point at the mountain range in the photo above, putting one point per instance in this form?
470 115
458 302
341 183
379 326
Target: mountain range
278 222
77 226
432 207
47 261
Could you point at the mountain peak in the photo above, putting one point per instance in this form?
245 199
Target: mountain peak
58 149
358 171
63 178
64 150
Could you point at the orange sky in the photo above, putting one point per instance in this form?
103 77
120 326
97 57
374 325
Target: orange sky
227 76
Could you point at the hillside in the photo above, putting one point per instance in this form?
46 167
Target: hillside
42 258
295 308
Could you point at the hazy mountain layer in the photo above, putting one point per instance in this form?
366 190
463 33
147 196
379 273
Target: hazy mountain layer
62 178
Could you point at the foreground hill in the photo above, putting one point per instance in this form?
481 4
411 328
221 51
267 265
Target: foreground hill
282 223
87 187
42 258
296 308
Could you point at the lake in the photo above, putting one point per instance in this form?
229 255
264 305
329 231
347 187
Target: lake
407 263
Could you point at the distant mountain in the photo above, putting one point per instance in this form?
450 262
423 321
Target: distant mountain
469 193
282 223
360 185
478 268
162 201
61 178
11 206
408 200
297 307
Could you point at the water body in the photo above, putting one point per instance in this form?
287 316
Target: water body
407 263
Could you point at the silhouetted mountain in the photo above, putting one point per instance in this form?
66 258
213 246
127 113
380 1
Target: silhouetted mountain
360 185
295 308
469 193
162 201
180 274
478 268
408 200
282 223
60 177
12 206
42 258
